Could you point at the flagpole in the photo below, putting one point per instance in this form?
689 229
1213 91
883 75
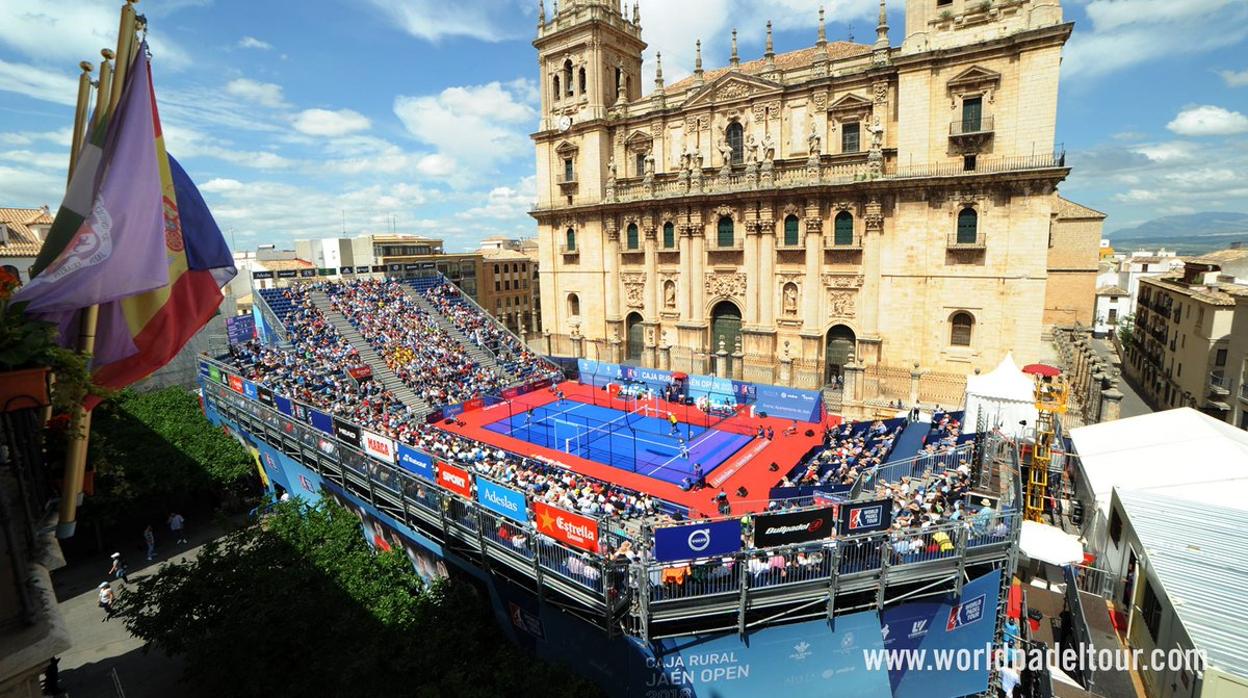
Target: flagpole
80 116
80 425
104 89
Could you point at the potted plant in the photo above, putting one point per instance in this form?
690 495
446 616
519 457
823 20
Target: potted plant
35 370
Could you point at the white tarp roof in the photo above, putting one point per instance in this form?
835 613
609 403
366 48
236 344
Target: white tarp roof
1004 396
1048 544
1180 453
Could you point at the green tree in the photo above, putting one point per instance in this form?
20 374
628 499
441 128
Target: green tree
300 604
156 451
1126 330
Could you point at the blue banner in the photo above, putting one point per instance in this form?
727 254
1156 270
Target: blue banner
322 421
203 369
713 387
249 389
789 403
503 501
262 332
966 622
416 462
698 540
598 372
451 411
283 405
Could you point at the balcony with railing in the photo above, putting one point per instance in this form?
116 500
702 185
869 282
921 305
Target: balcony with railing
963 241
1243 391
783 242
734 244
978 126
570 250
1219 384
843 243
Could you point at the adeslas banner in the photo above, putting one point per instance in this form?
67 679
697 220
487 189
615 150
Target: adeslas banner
502 500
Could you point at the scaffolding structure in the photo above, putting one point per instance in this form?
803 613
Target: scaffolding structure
1051 397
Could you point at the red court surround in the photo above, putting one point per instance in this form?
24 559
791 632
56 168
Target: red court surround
746 468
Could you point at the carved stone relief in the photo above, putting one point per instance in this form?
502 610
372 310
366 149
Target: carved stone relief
634 290
726 285
832 281
841 303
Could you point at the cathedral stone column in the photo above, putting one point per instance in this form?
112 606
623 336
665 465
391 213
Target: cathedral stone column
766 273
611 267
810 373
651 299
869 294
752 271
698 270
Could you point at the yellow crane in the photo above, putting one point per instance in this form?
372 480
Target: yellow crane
1051 393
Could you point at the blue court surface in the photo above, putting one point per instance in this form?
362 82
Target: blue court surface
640 441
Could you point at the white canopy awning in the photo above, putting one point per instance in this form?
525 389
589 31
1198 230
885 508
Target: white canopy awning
1049 544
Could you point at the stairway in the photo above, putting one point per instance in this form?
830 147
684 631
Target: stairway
481 356
381 372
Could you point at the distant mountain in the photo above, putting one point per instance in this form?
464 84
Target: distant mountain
1192 233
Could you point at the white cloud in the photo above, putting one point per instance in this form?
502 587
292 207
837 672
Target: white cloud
61 137
323 122
27 188
1208 120
1137 195
43 161
37 83
436 166
220 185
265 94
186 143
1173 151
1234 78
433 20
253 42
1126 33
475 127
505 203
66 31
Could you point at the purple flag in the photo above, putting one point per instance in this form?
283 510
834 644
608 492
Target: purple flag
118 245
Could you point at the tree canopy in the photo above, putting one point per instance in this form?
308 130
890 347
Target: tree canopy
301 604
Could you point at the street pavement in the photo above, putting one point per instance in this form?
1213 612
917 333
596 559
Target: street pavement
100 648
1132 404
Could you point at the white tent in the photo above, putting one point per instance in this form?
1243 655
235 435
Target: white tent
1049 544
1003 397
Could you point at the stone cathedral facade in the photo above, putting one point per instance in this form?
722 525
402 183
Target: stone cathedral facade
846 214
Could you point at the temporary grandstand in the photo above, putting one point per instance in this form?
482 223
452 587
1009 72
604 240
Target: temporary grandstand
657 514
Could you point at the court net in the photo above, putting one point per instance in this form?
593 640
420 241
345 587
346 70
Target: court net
585 435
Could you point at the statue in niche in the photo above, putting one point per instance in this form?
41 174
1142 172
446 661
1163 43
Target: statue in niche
814 143
725 150
611 168
669 295
877 135
649 164
769 148
790 299
751 149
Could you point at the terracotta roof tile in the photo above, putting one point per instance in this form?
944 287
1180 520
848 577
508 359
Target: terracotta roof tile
1066 208
21 241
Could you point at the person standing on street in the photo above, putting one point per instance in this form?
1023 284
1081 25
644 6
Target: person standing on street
177 527
118 570
106 601
150 539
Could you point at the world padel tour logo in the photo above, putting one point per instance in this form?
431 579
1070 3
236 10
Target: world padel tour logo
865 517
966 613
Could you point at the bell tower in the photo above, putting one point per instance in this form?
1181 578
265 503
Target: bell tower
589 57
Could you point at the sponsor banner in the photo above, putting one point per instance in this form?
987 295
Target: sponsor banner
326 271
262 331
266 395
416 462
360 373
394 267
377 446
411 266
502 500
251 390
599 371
428 265
712 387
789 403
288 274
240 328
303 413
345 271
364 269
454 479
699 540
474 404
261 274
326 446
204 368
307 273
452 411
379 268
284 405
865 517
538 385
654 378
215 374
564 526
514 392
236 383
346 432
793 527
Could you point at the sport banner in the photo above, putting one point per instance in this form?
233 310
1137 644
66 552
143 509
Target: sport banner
346 432
698 540
456 480
865 517
377 446
794 527
236 383
564 526
502 500
416 463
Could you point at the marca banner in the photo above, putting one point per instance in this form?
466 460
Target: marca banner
236 383
251 390
793 527
865 517
502 500
378 446
564 526
456 480
956 623
240 328
788 403
416 463
347 432
320 420
698 540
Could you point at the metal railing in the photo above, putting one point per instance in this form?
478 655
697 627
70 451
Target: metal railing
969 127
1243 391
958 241
569 250
832 243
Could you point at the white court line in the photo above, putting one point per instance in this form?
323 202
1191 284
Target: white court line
697 440
540 420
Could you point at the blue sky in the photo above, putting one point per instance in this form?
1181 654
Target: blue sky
298 119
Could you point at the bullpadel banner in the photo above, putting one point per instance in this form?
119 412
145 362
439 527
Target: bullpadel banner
794 527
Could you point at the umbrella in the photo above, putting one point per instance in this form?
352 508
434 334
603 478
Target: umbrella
1048 544
1043 370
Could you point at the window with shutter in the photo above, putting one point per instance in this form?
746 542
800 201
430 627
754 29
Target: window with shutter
725 233
632 237
790 231
968 226
843 231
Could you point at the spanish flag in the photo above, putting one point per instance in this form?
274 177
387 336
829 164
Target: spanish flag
156 278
